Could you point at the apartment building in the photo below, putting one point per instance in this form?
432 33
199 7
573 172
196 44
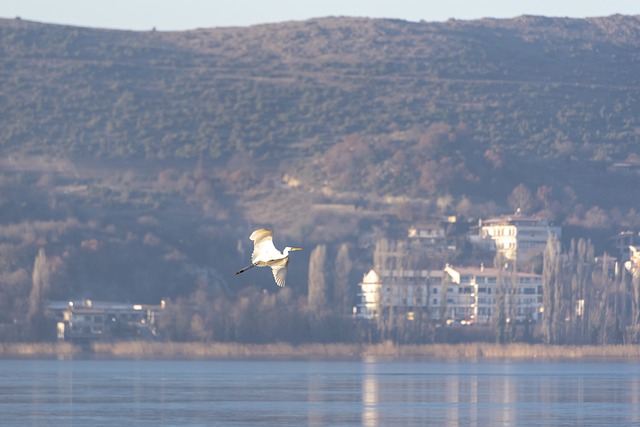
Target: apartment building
518 238
463 295
474 294
405 292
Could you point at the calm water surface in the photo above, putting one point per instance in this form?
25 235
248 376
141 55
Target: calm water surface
312 393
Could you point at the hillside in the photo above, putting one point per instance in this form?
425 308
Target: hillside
526 88
137 159
528 85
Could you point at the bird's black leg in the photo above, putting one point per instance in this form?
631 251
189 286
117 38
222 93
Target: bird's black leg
245 268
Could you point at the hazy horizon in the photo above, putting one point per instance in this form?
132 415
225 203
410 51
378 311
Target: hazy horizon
168 15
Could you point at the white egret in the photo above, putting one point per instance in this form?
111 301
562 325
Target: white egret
265 254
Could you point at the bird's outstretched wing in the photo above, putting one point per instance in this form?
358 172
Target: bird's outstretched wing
263 248
280 273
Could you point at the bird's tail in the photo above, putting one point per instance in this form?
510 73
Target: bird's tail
242 270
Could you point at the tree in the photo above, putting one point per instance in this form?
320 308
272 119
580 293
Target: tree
341 285
37 296
550 279
317 296
504 315
40 284
581 283
521 199
635 282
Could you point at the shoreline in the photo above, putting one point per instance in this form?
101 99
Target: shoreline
336 351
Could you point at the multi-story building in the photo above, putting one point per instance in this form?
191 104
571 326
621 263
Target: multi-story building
405 292
518 238
475 293
464 295
87 320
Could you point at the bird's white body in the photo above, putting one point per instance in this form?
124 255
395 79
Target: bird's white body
265 254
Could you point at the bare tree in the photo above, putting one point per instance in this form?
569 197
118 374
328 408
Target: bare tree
585 264
635 282
502 300
521 199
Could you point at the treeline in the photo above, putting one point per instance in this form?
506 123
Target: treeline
587 302
319 312
586 299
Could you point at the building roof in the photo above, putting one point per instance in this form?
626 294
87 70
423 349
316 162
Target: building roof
98 305
517 220
372 277
484 271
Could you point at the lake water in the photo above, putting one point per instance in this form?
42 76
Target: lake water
317 393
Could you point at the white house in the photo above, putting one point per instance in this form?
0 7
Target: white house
517 237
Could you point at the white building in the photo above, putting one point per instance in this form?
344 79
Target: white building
474 293
405 291
633 265
518 238
464 295
88 320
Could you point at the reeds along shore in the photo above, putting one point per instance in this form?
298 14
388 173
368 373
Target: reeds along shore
473 351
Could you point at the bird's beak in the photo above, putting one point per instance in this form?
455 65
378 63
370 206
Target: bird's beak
296 249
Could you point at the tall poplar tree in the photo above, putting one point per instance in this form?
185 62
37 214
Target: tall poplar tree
341 286
550 298
317 296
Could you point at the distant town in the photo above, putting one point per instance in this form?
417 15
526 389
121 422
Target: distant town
507 297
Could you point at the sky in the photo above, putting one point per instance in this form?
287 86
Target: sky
171 15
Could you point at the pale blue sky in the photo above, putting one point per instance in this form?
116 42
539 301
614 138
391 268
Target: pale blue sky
189 14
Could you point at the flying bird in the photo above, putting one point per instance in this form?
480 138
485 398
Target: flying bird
265 254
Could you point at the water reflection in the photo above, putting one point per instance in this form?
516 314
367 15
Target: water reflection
478 394
635 400
452 393
473 399
316 388
369 394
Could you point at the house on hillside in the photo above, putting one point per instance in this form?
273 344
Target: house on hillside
435 236
517 237
437 242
